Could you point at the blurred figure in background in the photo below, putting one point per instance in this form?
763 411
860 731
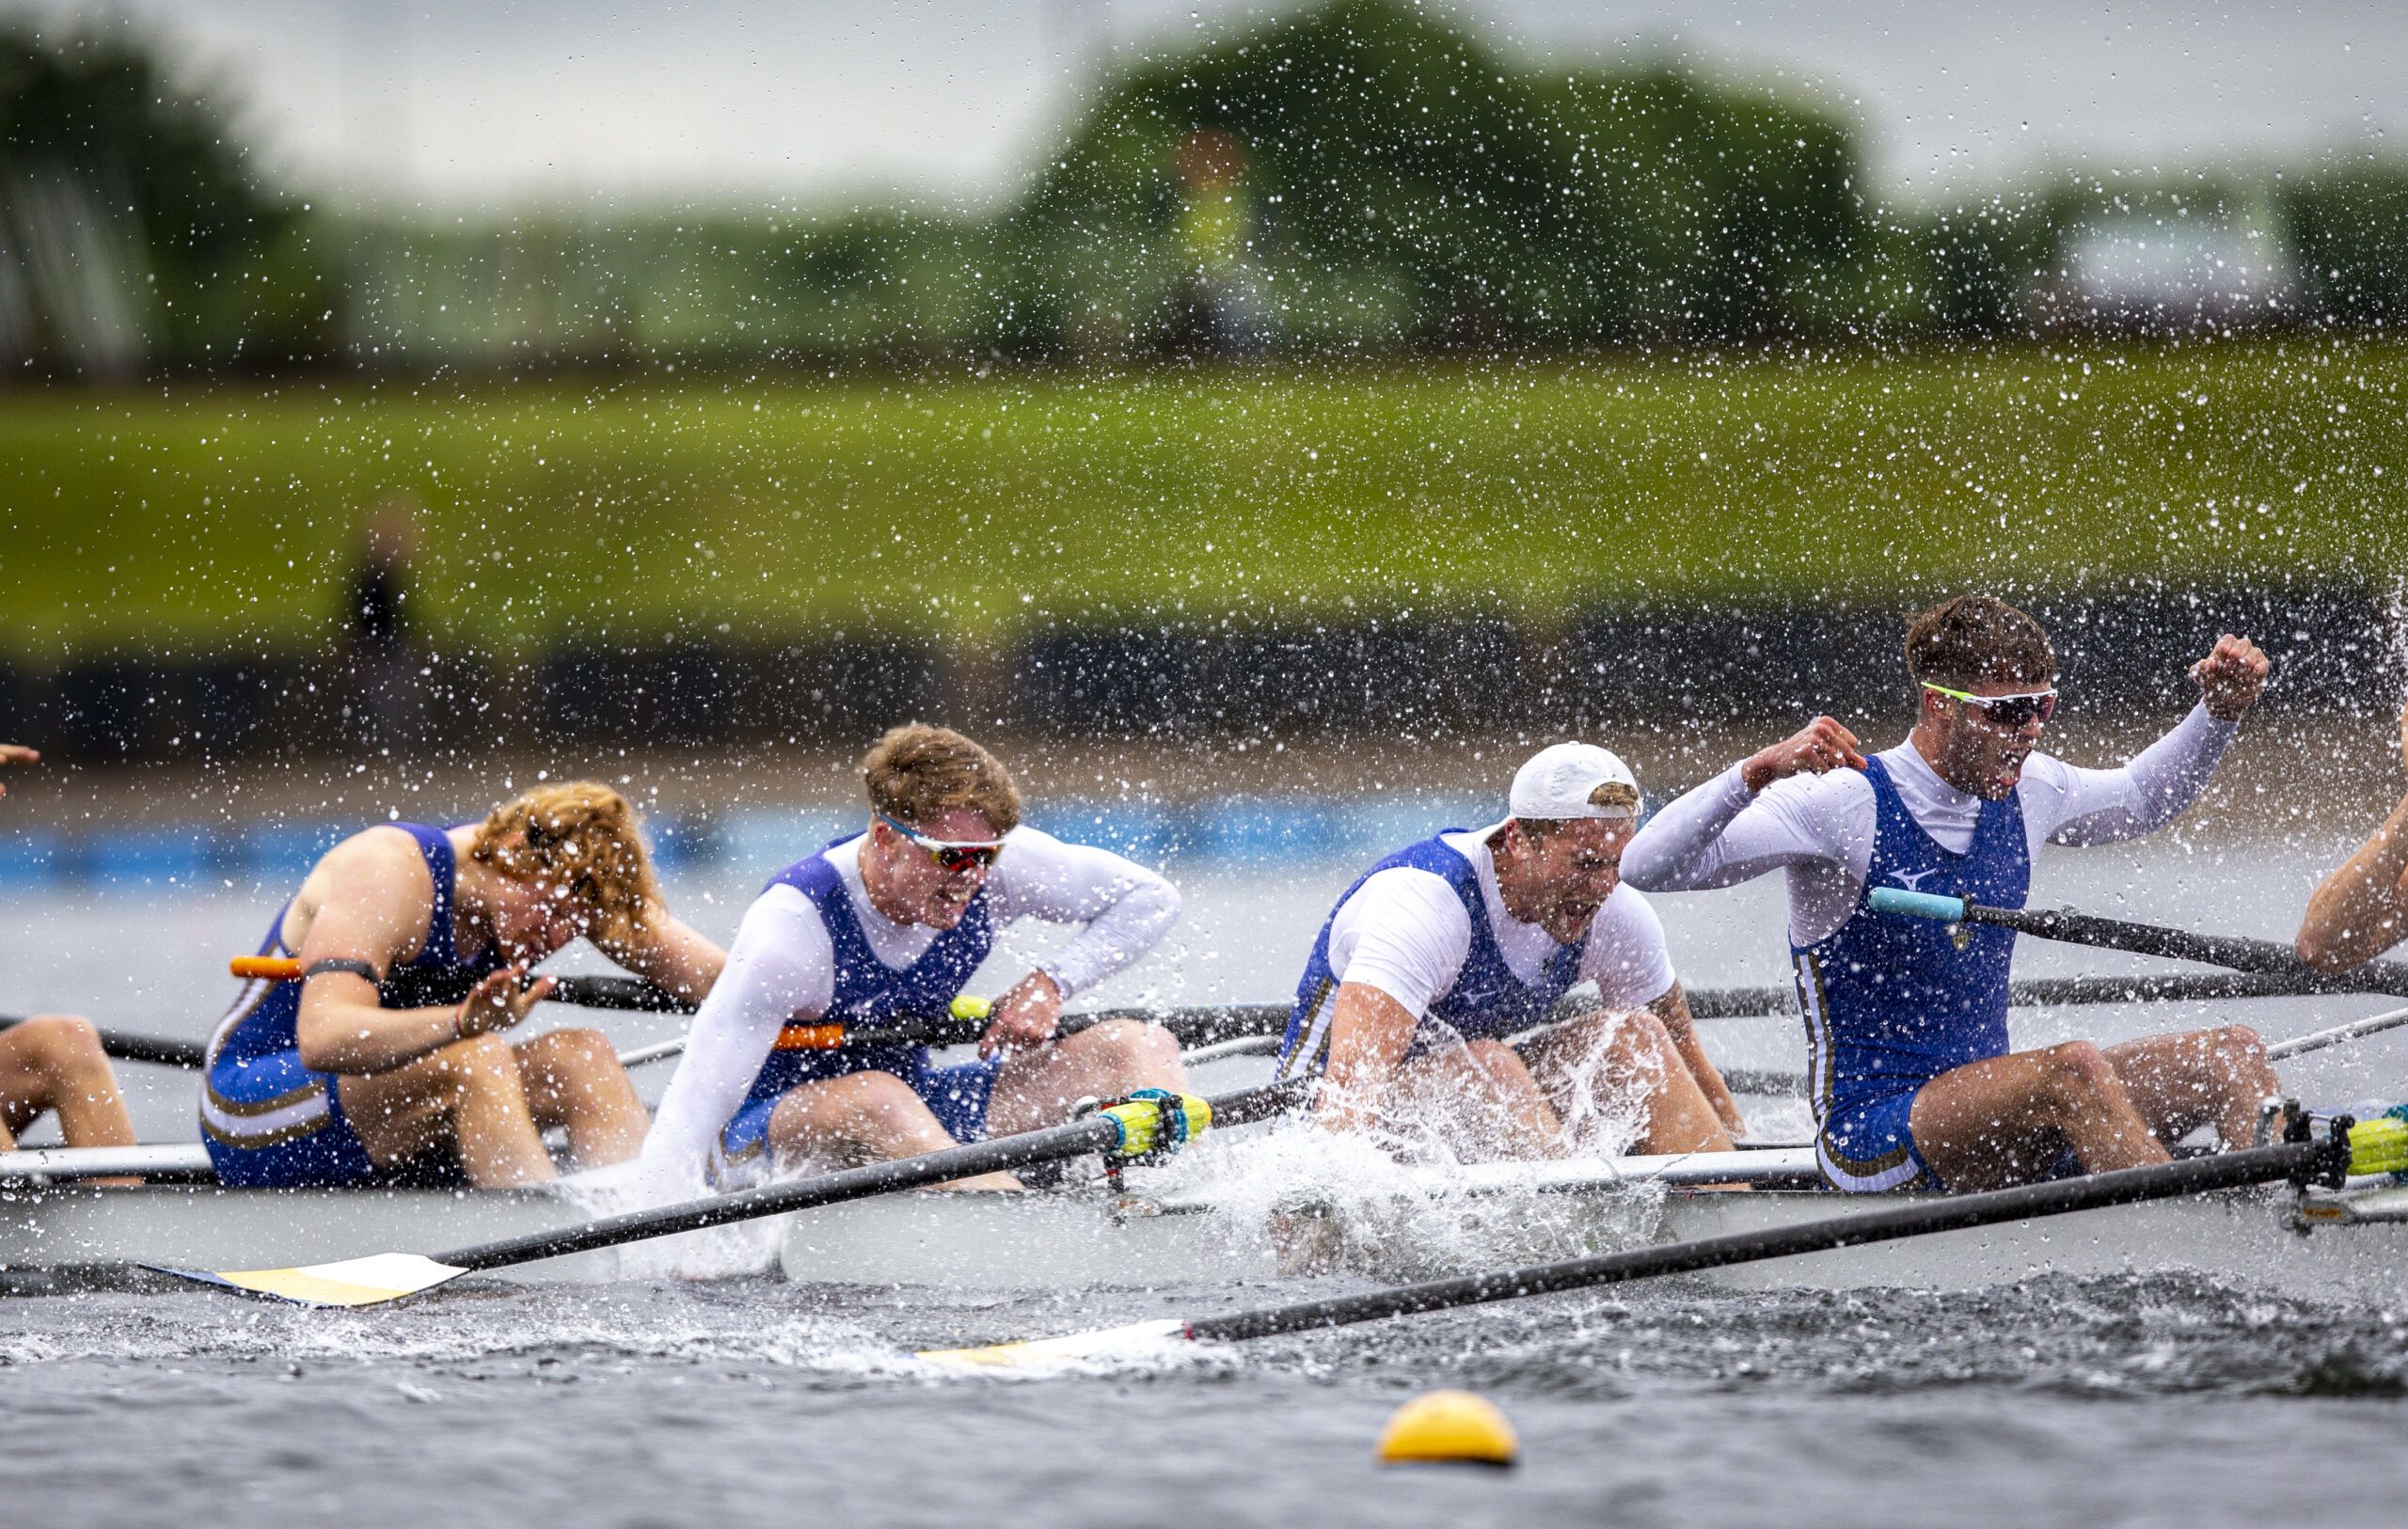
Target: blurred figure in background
2361 910
1213 309
54 1061
381 693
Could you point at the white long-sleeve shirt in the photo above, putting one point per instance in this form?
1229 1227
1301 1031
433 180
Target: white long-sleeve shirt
782 969
1406 932
1819 828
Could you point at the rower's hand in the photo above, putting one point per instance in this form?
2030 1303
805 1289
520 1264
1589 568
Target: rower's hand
2231 676
17 753
1819 747
1027 1015
500 1001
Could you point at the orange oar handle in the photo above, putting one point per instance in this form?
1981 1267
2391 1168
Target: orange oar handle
272 967
810 1038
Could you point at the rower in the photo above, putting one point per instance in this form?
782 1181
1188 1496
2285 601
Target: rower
315 1083
2361 909
1443 949
54 1061
1905 1020
886 926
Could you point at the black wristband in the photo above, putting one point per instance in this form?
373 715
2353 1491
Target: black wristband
340 963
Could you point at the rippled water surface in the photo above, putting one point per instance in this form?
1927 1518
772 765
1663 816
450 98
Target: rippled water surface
2122 1400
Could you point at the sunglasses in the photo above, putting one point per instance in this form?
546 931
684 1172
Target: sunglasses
950 854
2014 711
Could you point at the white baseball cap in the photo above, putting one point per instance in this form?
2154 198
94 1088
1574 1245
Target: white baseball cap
1563 780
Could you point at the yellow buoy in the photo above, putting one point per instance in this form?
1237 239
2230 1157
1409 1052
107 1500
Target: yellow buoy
1449 1426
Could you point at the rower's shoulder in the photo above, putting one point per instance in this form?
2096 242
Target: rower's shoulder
380 850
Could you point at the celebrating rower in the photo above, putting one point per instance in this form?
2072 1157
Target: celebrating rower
1913 1081
314 1082
2361 909
887 926
54 1061
1442 950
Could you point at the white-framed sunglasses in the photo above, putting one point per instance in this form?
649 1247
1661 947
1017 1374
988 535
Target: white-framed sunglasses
950 854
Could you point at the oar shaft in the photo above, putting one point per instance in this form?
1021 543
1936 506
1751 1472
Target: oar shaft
155 1048
2194 1175
2237 953
1002 1155
2372 1025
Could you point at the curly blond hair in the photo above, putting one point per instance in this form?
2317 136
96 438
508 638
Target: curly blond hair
582 837
917 771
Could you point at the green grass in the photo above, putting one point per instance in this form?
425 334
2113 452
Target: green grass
222 518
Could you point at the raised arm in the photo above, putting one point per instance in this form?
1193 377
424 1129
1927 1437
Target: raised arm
781 967
2066 805
1125 908
1735 827
2361 909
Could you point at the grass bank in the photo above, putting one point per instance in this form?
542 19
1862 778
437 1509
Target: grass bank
219 517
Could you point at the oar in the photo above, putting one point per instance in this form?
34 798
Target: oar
1752 1080
125 1047
1130 1129
2326 1161
2239 953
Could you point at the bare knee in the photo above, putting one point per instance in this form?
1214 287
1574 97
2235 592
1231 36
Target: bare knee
1496 1062
881 1101
568 1055
1638 1034
480 1062
62 1044
2079 1073
2236 1041
1134 1043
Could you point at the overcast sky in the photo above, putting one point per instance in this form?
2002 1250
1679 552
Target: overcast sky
477 103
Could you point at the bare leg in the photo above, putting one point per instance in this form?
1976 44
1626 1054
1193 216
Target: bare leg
571 1078
864 1117
1480 1100
54 1061
1620 1052
466 1094
1994 1123
2182 1082
1037 1088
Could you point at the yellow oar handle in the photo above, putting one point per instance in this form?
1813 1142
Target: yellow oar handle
1155 1123
270 967
2379 1145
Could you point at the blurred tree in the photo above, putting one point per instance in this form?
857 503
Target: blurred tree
2347 223
132 230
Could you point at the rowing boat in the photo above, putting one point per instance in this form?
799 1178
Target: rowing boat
1429 1221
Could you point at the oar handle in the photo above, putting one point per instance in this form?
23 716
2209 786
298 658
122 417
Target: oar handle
407 988
1916 905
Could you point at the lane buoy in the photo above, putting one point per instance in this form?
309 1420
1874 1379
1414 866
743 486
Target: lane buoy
1451 1426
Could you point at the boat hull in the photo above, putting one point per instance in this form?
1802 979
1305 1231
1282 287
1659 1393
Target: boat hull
2250 1238
71 1238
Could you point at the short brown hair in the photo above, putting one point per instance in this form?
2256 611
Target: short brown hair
581 836
1976 640
917 771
